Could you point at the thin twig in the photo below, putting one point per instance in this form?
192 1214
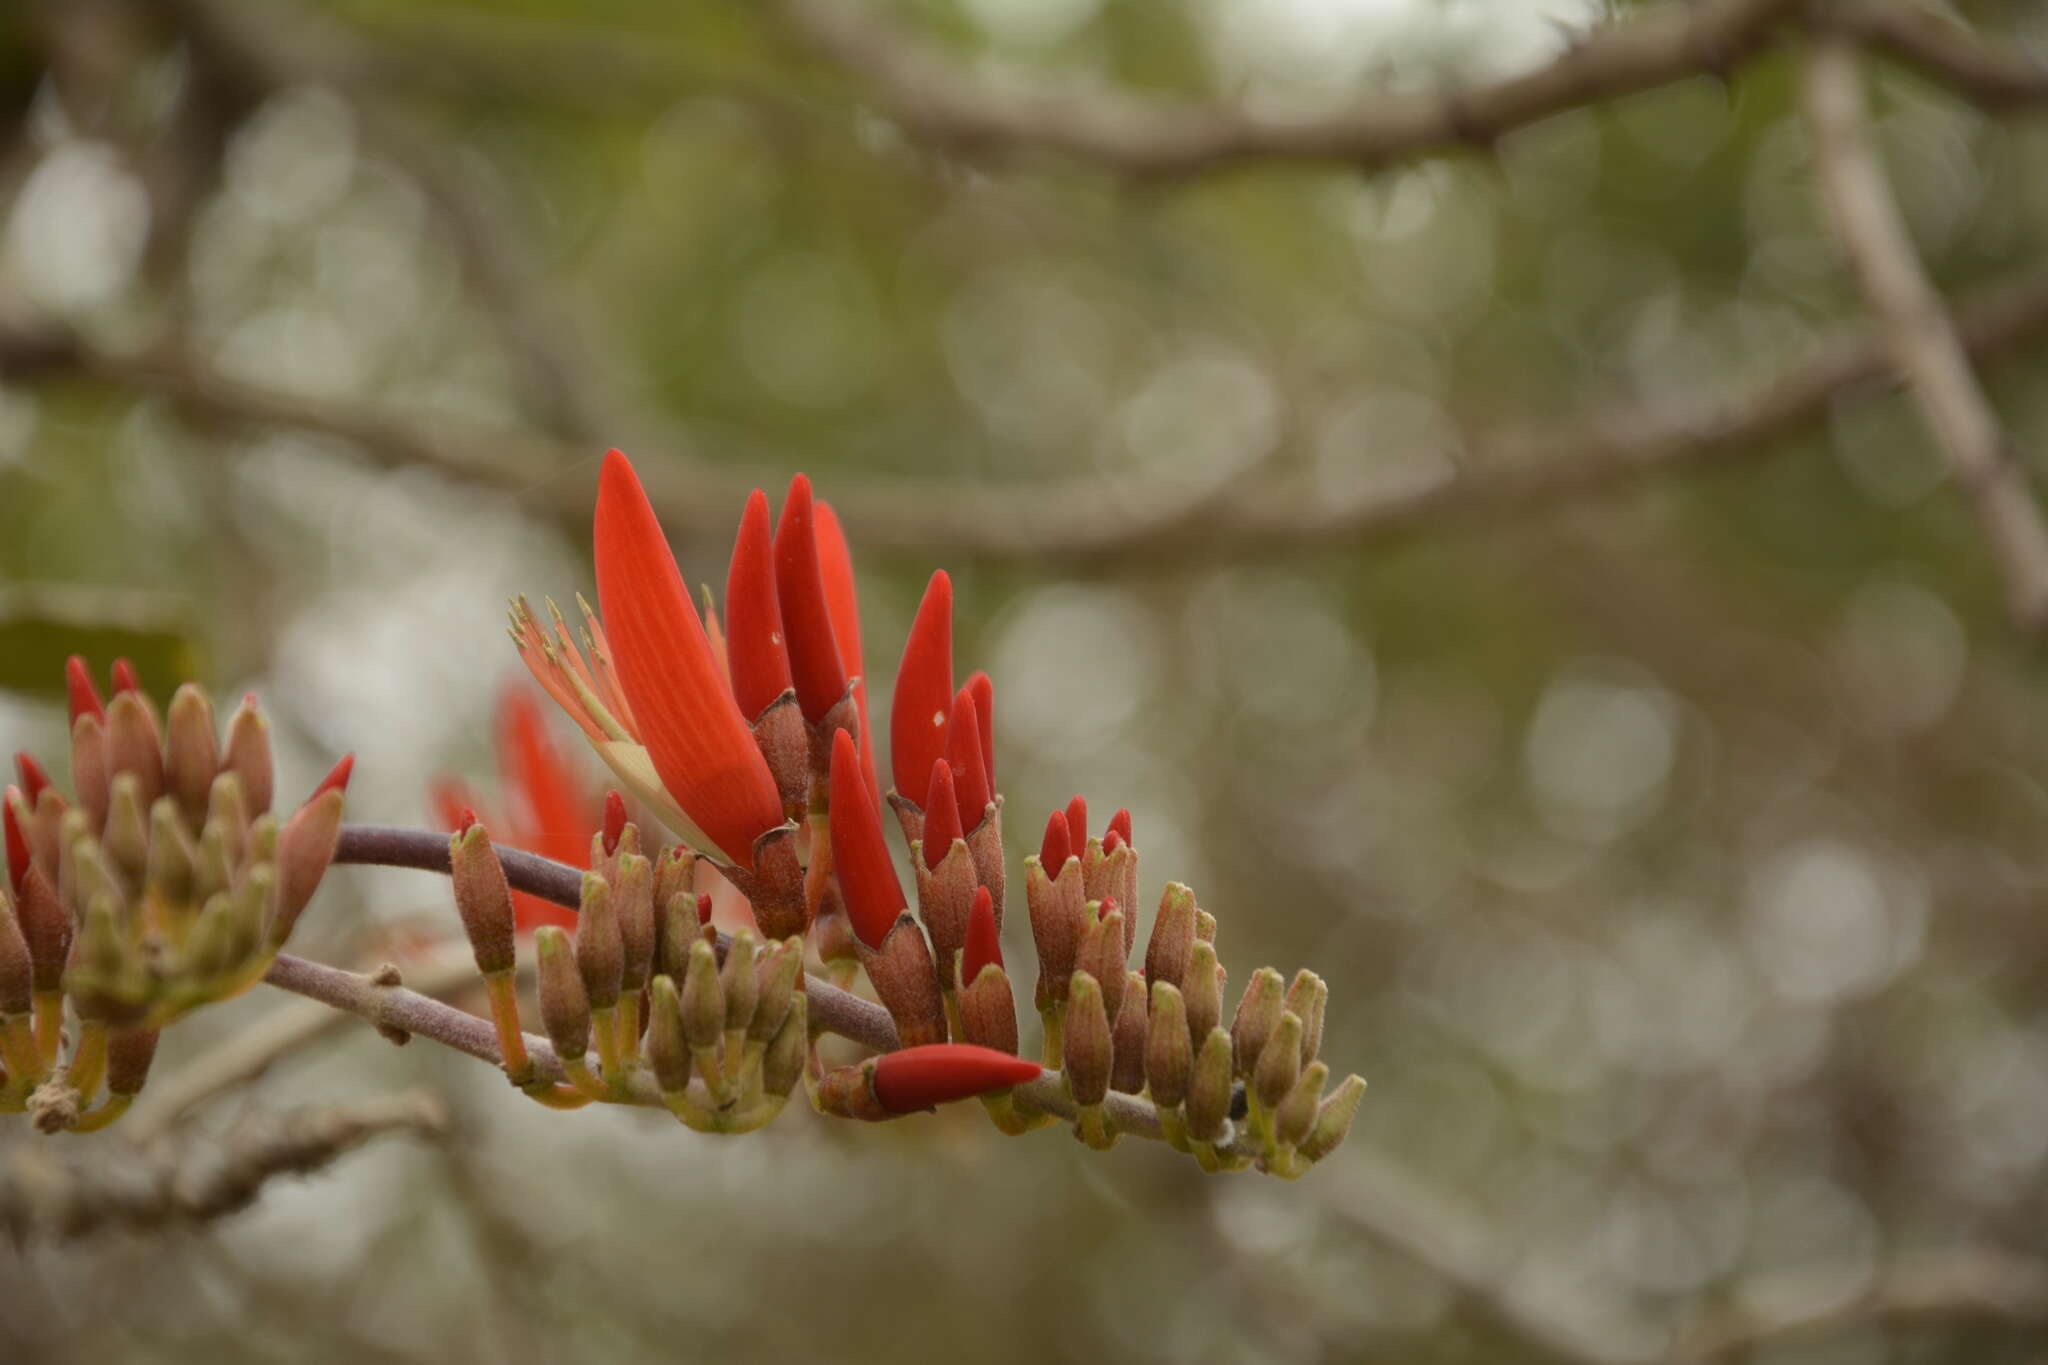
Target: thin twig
930 95
1916 330
45 1191
1087 521
1996 77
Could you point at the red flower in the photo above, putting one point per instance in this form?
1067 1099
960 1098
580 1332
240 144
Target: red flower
921 1077
1058 845
545 806
867 879
984 946
835 565
814 659
941 815
756 654
965 754
924 691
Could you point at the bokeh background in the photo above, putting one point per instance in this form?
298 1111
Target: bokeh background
1675 844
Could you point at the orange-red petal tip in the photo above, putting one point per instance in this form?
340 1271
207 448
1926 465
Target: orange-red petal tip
924 689
867 880
941 814
938 1073
1057 846
984 946
84 697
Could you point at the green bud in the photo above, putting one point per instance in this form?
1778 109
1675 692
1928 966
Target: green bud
1333 1119
126 841
1202 988
740 981
777 974
1127 1073
668 1053
1296 1113
168 874
1169 1053
783 1064
564 1008
1205 926
1208 1102
633 899
191 753
1102 957
703 998
1258 1014
227 808
679 929
1279 1065
1088 1042
600 953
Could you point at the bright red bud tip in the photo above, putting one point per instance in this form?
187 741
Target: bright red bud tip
874 898
984 946
17 841
33 778
1108 904
835 565
938 1073
983 689
701 747
1120 824
1077 823
924 690
814 660
755 651
85 698
941 815
337 776
124 677
1058 847
1112 841
703 908
963 752
614 820
465 820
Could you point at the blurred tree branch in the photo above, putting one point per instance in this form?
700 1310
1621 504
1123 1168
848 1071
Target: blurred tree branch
923 89
1093 520
1918 335
44 1192
1997 78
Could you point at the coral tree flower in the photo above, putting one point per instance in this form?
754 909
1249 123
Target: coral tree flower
544 805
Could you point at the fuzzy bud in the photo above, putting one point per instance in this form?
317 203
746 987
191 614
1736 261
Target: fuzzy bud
668 1051
703 998
1296 1114
1088 1041
1258 1014
305 847
192 752
1128 1071
905 979
1169 1053
782 1065
17 974
133 745
1102 957
740 981
1173 934
564 1004
600 952
1279 1064
633 904
247 755
776 985
1333 1119
483 898
129 1054
1208 1100
1202 988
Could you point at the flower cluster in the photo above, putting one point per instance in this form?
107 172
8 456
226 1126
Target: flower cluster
163 883
750 739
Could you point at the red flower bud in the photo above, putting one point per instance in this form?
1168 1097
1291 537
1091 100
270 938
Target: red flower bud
124 677
33 777
921 1077
835 563
756 653
867 881
924 690
85 698
703 908
614 820
1077 827
1119 824
963 752
1058 847
983 689
941 816
984 946
336 779
813 649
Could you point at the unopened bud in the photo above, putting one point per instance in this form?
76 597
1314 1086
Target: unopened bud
1088 1042
903 976
106 984
89 774
1208 1101
1128 1072
1296 1114
1202 988
988 1010
229 810
564 1005
1258 1014
600 953
780 967
633 902
1205 926
305 847
129 1054
252 902
126 840
703 998
739 980
247 755
668 1053
675 872
679 929
1102 957
783 1064
1169 1053
46 927
133 745
17 974
483 898
192 752
93 877
1059 915
1279 1065
212 874
1333 1119
1173 934
1312 1022
167 876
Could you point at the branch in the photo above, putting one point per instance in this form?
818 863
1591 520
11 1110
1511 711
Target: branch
1995 77
42 1191
1082 521
395 1010
923 89
1922 342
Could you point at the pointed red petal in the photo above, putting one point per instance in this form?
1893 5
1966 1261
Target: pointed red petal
337 777
124 677
941 815
924 690
984 945
755 652
1112 841
614 820
85 698
699 743
704 908
1058 846
1077 823
800 583
984 689
1119 824
867 881
921 1077
33 778
17 840
963 751
835 562
547 802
